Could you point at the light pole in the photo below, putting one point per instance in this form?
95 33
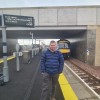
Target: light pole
17 57
32 44
35 46
5 68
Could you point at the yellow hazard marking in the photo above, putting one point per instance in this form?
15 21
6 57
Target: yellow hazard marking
67 91
9 58
64 50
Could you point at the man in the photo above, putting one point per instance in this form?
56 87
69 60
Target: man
52 63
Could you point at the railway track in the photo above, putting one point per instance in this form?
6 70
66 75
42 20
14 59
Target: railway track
92 81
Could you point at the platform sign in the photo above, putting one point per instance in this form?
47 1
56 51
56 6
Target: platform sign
0 21
18 21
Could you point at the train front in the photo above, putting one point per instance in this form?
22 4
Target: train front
64 48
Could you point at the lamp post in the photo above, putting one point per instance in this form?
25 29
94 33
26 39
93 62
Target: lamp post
4 39
32 44
35 46
17 57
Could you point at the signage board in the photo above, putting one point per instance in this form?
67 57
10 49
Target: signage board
18 21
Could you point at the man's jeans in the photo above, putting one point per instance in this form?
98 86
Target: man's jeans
49 85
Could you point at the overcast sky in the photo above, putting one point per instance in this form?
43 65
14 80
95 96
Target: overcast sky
41 3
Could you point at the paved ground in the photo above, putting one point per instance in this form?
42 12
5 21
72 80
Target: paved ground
18 86
36 89
81 91
25 84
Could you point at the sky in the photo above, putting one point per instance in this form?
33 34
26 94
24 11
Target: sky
29 41
43 3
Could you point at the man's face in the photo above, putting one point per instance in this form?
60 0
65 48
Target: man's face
53 46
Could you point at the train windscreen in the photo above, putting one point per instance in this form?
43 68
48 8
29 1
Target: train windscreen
62 45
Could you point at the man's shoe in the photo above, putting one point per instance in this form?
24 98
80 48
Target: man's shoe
53 98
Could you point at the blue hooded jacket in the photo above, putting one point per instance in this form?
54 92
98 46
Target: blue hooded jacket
52 62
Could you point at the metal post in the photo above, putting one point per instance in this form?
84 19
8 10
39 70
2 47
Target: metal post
17 57
39 45
17 60
35 46
4 40
32 46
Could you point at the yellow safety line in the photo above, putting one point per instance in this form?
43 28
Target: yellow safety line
67 91
9 58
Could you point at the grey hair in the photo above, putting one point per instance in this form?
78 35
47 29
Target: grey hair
53 41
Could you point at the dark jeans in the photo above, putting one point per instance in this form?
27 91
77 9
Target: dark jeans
49 85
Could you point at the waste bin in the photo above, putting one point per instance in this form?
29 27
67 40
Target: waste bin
26 56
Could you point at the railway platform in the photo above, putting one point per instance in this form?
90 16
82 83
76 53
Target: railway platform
19 82
27 84
81 91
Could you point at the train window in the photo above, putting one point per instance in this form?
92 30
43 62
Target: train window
63 45
66 45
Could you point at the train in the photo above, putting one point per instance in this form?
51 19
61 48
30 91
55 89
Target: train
64 47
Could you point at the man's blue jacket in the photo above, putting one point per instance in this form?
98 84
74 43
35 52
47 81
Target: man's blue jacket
52 62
